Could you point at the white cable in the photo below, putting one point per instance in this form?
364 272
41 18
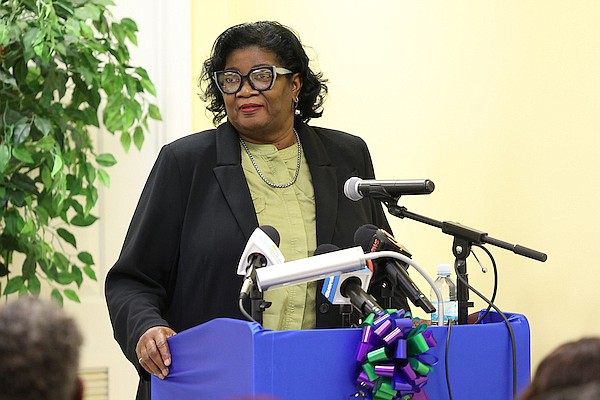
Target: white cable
401 257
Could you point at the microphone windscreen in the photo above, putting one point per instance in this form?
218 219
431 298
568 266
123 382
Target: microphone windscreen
364 235
325 248
271 233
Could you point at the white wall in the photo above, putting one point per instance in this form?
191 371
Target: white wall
164 49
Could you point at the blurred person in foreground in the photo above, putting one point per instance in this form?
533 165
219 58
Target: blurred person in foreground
570 372
39 352
208 192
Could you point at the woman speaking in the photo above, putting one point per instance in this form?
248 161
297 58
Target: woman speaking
208 192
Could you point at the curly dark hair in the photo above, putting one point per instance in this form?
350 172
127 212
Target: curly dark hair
274 37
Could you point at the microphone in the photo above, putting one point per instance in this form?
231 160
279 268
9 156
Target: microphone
261 250
357 188
373 239
350 287
310 268
265 241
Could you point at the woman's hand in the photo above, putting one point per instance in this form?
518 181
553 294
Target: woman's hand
153 350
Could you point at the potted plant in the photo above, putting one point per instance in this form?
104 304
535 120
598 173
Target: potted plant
65 76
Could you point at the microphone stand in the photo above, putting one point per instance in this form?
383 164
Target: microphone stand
257 303
464 237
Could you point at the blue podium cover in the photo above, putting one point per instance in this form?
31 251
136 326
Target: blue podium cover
227 359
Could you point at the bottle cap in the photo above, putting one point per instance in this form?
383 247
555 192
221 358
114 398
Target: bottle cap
444 269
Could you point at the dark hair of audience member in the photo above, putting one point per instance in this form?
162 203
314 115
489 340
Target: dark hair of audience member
568 369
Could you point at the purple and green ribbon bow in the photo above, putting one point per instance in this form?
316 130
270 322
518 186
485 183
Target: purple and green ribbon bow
393 357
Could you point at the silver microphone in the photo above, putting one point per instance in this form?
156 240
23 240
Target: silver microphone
356 188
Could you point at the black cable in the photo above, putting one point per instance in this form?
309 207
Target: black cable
510 330
487 310
450 324
244 312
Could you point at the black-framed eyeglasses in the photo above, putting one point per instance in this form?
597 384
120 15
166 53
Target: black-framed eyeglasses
259 78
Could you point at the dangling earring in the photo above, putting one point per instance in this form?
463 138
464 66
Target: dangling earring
295 106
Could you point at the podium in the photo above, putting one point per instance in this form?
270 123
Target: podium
227 359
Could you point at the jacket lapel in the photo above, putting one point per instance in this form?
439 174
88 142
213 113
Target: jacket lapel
232 181
324 180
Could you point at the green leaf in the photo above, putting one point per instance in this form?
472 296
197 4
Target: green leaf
43 125
22 154
63 9
77 275
64 278
67 236
80 220
91 198
21 133
24 182
131 36
14 285
58 164
118 31
103 178
154 112
149 86
106 159
17 197
129 24
42 215
28 227
138 137
128 119
88 11
72 295
61 261
28 267
103 2
33 285
4 36
72 25
4 157
85 258
56 296
142 73
126 141
31 38
85 30
89 271
108 75
90 173
46 178
46 143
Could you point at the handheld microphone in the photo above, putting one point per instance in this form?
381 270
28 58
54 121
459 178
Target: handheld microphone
356 188
350 287
261 250
310 269
373 239
265 241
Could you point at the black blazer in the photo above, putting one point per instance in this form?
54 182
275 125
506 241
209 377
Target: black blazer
179 259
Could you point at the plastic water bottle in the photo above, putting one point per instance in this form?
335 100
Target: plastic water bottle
447 288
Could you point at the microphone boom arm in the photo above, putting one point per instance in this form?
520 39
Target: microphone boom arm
464 237
464 232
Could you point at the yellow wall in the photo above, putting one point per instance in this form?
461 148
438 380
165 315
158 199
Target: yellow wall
496 101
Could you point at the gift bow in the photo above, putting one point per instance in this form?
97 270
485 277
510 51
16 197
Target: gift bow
393 358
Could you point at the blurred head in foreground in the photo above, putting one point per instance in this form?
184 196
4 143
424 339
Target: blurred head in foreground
39 352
